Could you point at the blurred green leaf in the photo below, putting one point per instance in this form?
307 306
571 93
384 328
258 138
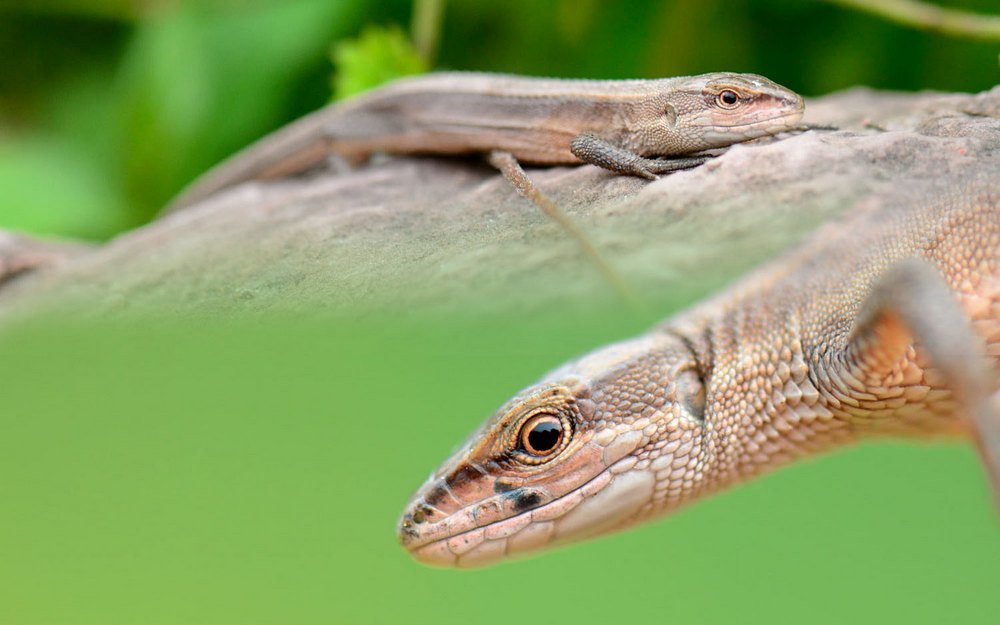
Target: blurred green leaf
195 82
50 186
378 55
197 86
164 104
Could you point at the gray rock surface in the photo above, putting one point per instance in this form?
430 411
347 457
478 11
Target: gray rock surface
424 235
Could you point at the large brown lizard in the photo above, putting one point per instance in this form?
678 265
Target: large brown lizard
886 322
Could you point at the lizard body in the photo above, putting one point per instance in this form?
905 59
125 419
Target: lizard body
873 326
617 124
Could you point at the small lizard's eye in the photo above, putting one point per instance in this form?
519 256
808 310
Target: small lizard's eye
728 99
541 434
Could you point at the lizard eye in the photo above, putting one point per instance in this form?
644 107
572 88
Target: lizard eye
728 99
541 435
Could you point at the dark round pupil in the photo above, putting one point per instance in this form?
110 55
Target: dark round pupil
544 436
729 97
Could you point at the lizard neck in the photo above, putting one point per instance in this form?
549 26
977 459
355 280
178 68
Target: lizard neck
774 395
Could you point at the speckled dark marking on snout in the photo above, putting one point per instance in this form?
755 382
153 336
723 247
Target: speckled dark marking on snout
525 499
436 496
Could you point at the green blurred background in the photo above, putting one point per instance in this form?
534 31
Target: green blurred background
237 471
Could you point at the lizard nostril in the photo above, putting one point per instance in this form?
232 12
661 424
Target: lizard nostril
421 514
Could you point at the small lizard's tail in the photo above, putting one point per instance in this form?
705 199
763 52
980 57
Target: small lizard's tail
291 150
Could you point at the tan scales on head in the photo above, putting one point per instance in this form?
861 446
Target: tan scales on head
717 110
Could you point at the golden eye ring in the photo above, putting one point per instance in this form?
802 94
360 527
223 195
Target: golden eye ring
542 435
728 99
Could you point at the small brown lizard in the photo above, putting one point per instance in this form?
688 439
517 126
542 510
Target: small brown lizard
621 125
886 322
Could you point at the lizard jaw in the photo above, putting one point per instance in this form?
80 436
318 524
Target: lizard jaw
606 502
722 134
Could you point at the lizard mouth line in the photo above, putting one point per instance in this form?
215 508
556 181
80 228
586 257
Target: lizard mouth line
749 124
417 545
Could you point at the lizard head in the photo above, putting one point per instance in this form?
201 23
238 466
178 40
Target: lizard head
720 109
595 446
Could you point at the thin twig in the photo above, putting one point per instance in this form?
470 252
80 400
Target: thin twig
426 28
926 16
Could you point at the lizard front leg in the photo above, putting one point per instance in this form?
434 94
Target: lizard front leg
911 305
590 148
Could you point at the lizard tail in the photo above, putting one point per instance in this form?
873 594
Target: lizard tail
292 150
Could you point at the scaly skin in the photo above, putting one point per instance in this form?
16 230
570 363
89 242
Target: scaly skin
791 361
621 124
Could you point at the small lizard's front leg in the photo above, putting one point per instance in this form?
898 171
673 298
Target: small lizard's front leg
590 148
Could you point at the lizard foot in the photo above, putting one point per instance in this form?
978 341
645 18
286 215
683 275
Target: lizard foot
591 149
